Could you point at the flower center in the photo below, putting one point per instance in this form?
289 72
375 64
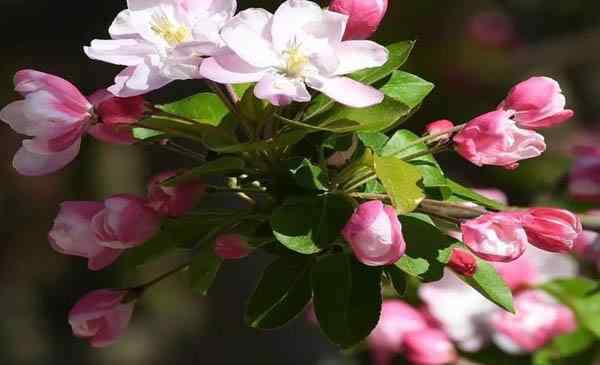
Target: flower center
173 34
295 62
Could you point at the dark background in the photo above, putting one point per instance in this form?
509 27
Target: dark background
558 38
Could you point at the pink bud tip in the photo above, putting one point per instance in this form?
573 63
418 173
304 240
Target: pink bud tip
439 126
551 229
173 201
231 247
364 16
463 262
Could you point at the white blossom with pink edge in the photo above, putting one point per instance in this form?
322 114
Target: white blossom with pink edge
101 317
300 45
160 41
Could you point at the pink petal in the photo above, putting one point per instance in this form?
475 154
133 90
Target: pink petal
347 91
32 164
358 55
280 90
138 80
229 69
124 52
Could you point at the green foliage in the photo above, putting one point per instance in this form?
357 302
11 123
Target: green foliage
397 278
374 141
224 145
347 298
306 175
407 88
309 224
467 194
221 166
204 108
487 282
203 269
282 293
564 346
401 181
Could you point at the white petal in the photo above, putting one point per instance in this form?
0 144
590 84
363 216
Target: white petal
32 164
289 19
138 80
229 69
14 115
122 26
247 35
358 55
347 91
125 52
280 90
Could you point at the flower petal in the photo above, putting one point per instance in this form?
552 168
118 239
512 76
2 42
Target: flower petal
347 91
229 69
32 164
280 90
138 80
358 55
124 52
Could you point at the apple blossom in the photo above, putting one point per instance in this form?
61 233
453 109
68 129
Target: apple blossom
463 262
429 347
538 319
55 113
584 178
160 41
551 229
495 236
364 16
114 115
537 102
101 317
231 247
494 194
300 45
101 231
439 126
587 247
396 320
173 201
494 139
375 234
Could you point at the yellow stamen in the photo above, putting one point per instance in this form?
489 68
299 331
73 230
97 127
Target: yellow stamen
173 34
296 60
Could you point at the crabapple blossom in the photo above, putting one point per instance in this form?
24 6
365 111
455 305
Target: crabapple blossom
160 41
300 45
494 139
494 194
439 126
55 114
538 319
551 229
101 231
114 115
463 262
364 16
537 102
429 347
396 320
101 317
231 247
495 236
173 201
375 234
587 247
584 178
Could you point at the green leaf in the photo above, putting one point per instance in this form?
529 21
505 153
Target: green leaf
283 140
468 194
282 293
347 298
569 288
220 166
564 346
433 176
407 88
374 141
252 107
144 134
398 54
203 269
397 278
308 224
150 250
204 108
342 119
401 181
487 282
428 249
587 310
306 175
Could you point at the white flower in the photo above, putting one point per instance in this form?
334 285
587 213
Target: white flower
298 46
160 41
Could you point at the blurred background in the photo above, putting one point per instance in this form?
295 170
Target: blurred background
473 50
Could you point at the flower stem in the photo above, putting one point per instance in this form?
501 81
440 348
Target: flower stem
230 100
353 185
300 124
427 138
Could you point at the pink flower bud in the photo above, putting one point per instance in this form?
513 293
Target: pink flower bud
495 236
101 231
494 194
375 234
584 179
396 320
463 262
101 317
114 114
537 103
439 126
494 139
173 201
55 114
538 319
340 158
550 229
231 247
364 16
587 247
429 347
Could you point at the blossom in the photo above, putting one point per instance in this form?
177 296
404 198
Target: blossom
54 113
587 247
494 139
537 102
114 115
364 16
495 236
439 126
584 178
375 234
300 45
161 41
463 262
396 320
494 194
101 231
101 317
538 319
173 201
429 347
550 229
231 247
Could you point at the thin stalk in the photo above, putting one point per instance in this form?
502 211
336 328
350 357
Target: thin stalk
370 196
363 181
447 218
300 124
418 154
427 138
234 190
168 130
231 105
232 94
474 210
